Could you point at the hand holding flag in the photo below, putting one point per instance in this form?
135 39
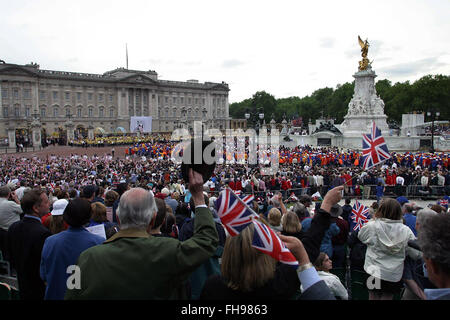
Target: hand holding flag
235 214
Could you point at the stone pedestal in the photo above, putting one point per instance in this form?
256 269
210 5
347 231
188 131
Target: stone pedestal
12 137
365 107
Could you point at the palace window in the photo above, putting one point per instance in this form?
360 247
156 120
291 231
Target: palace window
100 112
5 93
90 112
55 112
5 112
79 112
16 93
27 93
55 94
111 113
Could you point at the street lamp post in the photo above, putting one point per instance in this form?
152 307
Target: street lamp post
433 114
258 116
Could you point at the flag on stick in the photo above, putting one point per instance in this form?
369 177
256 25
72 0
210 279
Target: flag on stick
375 149
360 215
234 212
267 241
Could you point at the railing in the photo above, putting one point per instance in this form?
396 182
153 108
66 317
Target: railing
367 192
6 149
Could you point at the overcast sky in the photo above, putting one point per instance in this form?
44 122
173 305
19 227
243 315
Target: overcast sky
287 48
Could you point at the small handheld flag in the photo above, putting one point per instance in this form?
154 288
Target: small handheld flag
234 212
267 241
360 215
375 149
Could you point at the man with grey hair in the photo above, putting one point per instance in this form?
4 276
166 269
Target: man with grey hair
434 240
422 215
414 274
10 209
134 265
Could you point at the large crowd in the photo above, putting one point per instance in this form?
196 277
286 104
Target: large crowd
141 203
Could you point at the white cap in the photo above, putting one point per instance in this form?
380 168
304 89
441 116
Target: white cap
59 206
165 191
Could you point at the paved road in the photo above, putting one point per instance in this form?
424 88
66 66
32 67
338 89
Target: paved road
65 151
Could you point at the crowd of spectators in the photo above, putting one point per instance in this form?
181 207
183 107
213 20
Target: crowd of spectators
104 215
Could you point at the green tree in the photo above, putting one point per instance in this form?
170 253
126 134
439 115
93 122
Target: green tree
428 93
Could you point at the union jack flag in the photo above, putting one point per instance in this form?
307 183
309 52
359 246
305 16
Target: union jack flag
374 148
267 241
234 212
360 215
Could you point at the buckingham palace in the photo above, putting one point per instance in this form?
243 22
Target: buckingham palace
60 102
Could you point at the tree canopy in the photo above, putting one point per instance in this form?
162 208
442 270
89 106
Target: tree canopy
429 93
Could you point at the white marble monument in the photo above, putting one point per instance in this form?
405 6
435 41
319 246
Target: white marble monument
365 107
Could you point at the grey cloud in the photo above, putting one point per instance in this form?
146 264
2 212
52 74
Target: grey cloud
412 68
232 63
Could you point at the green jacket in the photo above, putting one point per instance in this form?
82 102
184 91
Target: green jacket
133 265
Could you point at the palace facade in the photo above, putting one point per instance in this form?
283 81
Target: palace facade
104 102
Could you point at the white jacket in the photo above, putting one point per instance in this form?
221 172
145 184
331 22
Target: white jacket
334 283
387 245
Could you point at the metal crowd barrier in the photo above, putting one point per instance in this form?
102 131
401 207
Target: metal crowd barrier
367 192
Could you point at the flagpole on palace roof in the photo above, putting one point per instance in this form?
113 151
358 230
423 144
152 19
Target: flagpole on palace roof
126 53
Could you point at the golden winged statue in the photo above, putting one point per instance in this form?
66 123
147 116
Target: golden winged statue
364 64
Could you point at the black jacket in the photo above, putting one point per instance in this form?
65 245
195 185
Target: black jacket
357 251
284 286
25 241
